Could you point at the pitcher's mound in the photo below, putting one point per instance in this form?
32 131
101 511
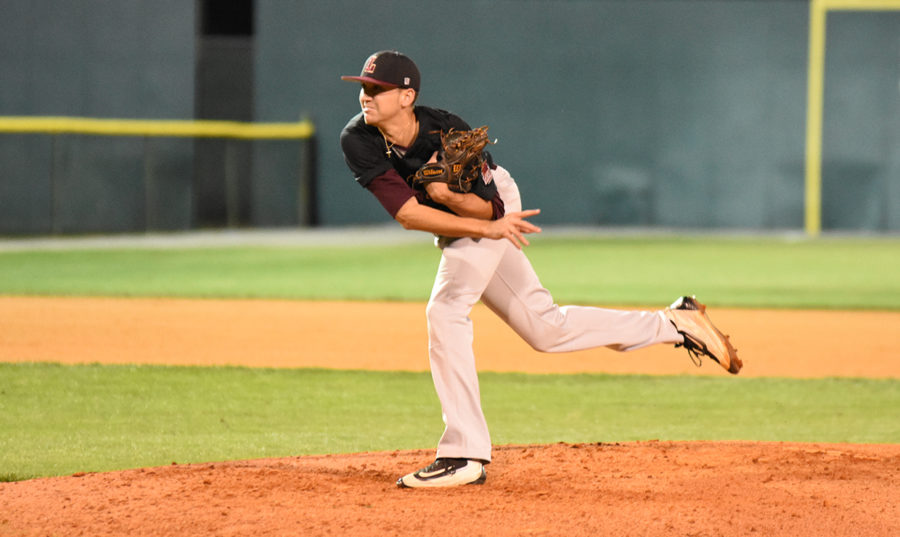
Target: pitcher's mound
643 488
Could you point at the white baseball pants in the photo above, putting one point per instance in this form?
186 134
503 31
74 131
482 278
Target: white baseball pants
501 276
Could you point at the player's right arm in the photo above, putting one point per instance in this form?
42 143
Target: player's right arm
513 226
402 203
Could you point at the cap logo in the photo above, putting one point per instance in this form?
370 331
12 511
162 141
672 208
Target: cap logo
406 81
370 65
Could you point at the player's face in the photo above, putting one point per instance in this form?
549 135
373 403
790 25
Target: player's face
378 103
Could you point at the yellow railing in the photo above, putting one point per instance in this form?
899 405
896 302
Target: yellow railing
156 128
230 131
818 11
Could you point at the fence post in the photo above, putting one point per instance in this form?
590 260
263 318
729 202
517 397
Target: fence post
307 204
232 190
149 187
55 194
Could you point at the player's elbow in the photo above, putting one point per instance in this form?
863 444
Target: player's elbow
406 216
404 221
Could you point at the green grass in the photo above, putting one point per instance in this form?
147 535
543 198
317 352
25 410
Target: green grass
745 272
833 273
240 272
57 420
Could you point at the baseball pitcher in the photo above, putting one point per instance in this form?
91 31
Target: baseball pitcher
429 169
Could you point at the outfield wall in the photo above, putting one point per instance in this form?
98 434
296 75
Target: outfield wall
678 114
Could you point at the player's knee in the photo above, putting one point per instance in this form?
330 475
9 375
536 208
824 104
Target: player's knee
432 309
541 343
547 337
438 310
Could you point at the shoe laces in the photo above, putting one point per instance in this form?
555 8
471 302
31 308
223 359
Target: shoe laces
445 463
695 349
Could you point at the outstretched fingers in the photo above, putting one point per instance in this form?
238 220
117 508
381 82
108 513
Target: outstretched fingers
517 227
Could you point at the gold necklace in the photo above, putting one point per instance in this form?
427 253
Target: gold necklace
389 147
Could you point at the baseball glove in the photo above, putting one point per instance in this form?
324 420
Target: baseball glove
459 161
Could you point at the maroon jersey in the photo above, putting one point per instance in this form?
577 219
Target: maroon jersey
387 170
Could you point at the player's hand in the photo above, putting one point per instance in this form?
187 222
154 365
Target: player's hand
514 227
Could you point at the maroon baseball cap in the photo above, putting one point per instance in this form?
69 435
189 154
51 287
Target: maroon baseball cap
389 68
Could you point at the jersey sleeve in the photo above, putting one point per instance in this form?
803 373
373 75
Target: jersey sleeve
391 191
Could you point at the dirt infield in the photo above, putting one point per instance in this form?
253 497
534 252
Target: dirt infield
644 488
378 336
